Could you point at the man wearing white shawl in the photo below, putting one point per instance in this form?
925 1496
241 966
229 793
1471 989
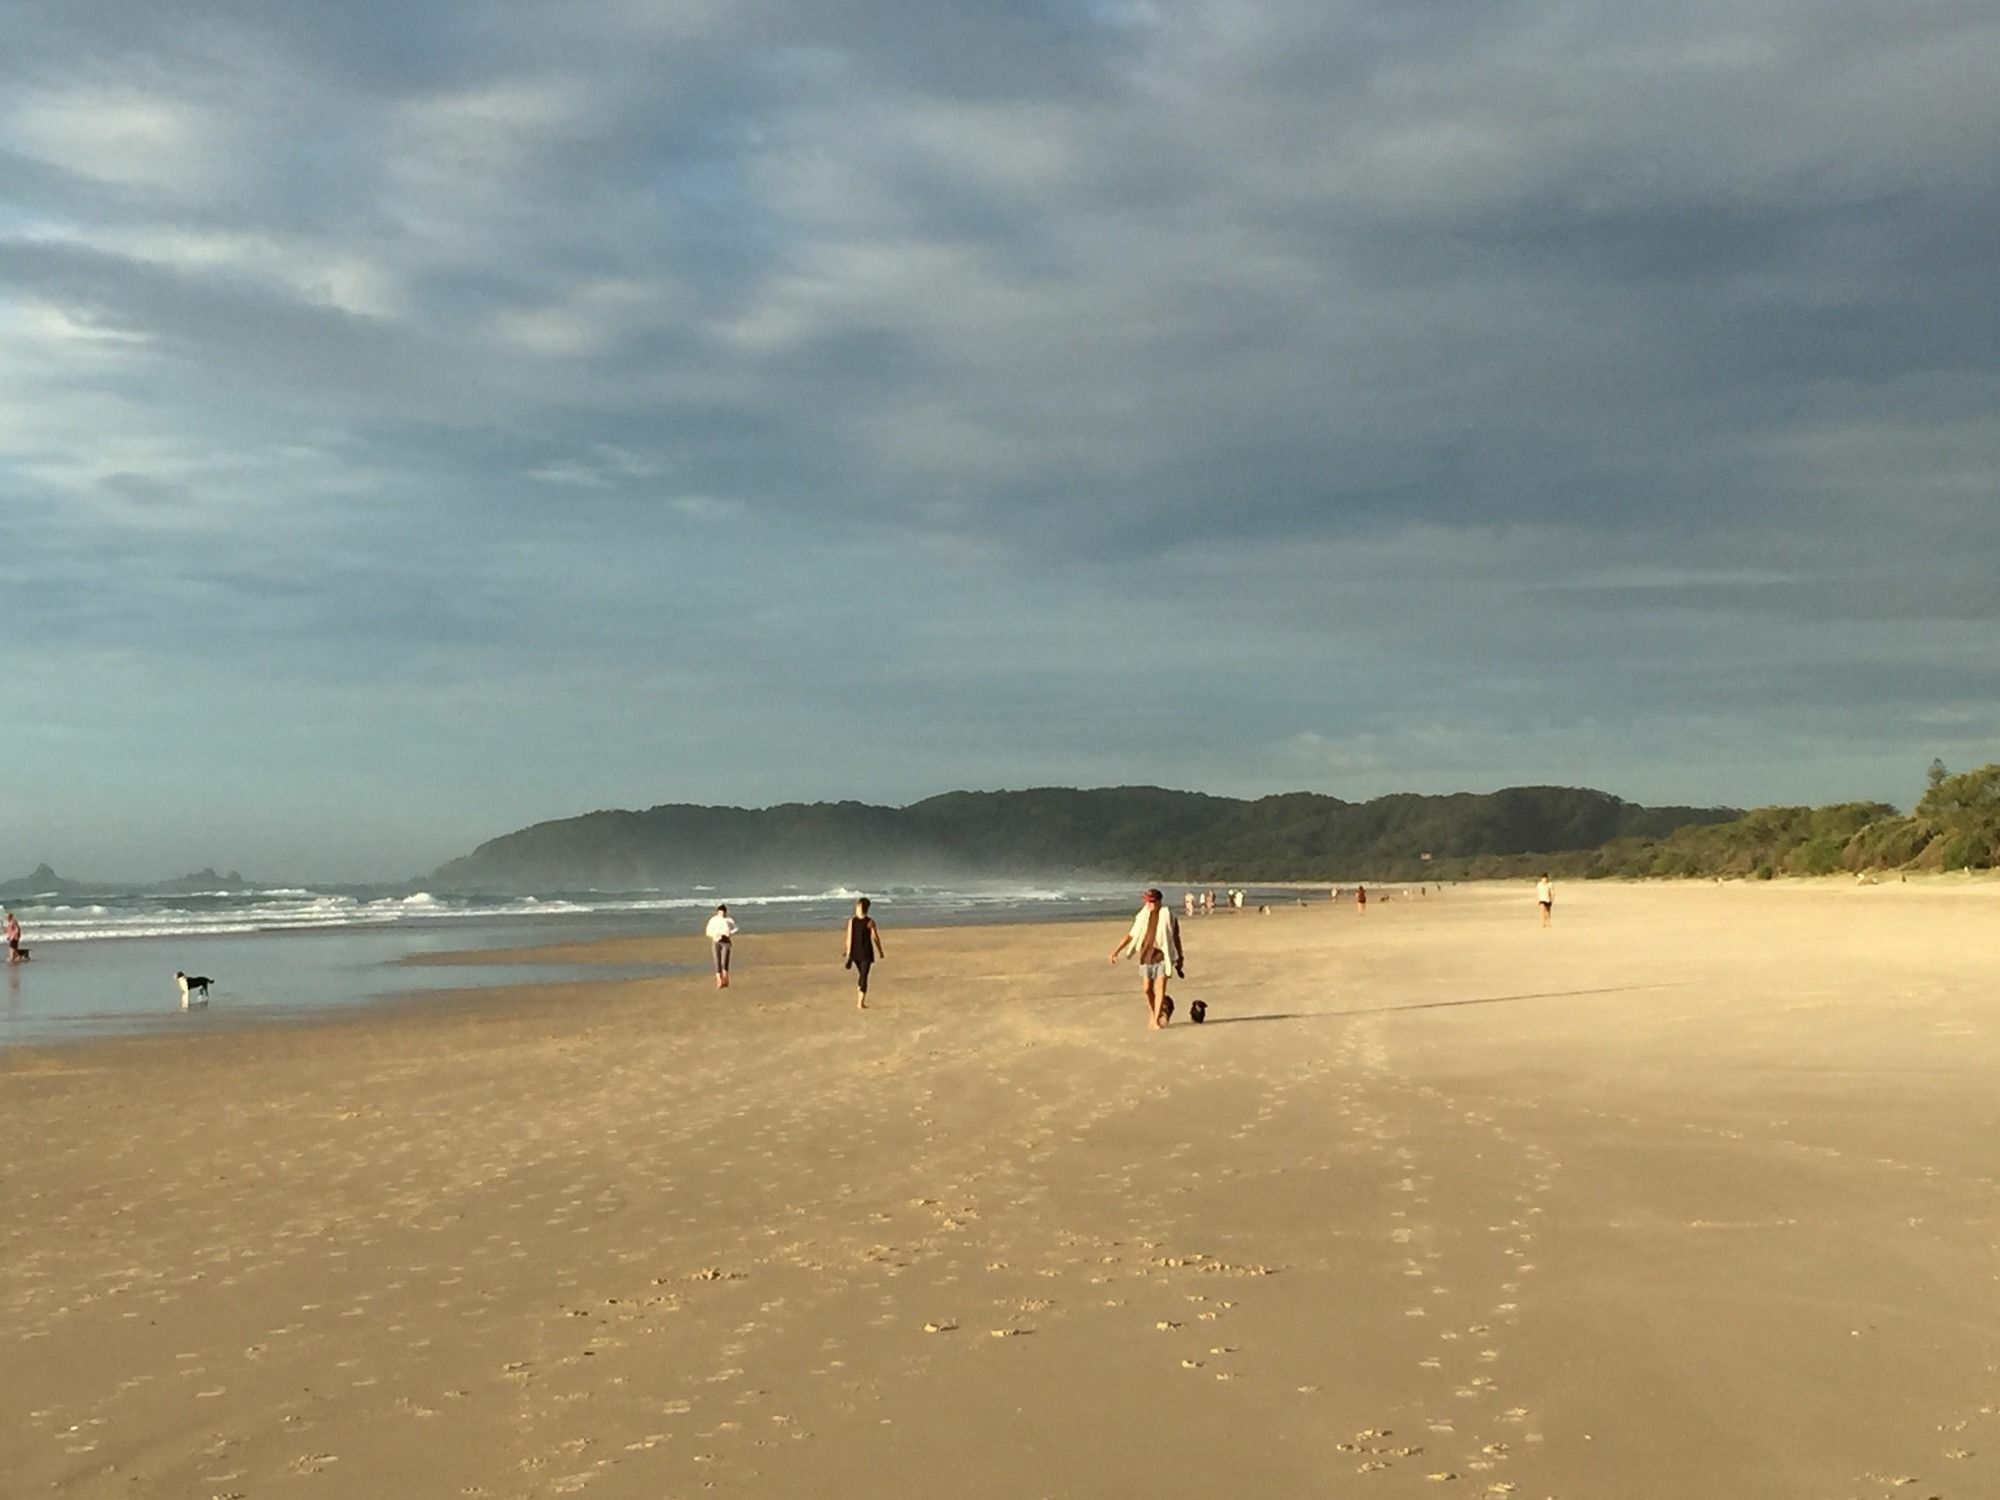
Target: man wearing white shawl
1155 940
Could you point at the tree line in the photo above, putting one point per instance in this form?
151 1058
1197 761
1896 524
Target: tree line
1955 826
1189 836
1058 831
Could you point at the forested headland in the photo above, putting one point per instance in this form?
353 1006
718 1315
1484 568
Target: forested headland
1060 831
1174 835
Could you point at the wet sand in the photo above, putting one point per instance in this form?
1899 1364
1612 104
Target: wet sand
1695 1193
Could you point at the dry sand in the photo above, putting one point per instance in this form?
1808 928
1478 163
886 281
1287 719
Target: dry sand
1692 1195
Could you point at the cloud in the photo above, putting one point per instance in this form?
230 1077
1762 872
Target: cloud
117 136
1479 368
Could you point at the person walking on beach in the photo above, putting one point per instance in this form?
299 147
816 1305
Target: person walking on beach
1545 896
721 928
864 946
1155 940
13 939
1361 898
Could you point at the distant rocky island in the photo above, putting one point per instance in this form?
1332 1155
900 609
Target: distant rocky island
43 881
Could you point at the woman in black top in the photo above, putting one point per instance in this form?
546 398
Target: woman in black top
864 946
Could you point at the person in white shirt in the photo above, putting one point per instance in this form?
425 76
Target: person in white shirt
1545 896
1155 940
721 928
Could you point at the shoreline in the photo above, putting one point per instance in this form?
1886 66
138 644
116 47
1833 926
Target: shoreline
689 952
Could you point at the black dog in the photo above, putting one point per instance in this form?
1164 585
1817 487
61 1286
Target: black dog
1198 1012
189 983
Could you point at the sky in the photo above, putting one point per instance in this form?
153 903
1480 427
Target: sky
421 421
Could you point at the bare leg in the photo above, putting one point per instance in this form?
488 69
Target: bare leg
1156 992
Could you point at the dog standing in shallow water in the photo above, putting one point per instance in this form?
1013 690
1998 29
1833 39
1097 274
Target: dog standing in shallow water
189 983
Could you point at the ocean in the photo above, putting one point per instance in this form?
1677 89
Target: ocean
103 963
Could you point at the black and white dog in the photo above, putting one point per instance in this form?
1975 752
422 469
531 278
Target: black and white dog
189 983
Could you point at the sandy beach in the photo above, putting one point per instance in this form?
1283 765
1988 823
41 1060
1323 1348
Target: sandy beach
1693 1194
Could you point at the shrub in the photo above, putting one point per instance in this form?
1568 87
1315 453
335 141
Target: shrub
1887 844
1820 856
1965 851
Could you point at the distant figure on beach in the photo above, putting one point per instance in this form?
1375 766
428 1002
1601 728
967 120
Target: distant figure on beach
1361 898
1187 903
1208 902
721 928
1155 940
1545 896
864 946
14 953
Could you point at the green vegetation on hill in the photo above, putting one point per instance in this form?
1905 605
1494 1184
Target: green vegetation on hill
1956 826
1132 830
